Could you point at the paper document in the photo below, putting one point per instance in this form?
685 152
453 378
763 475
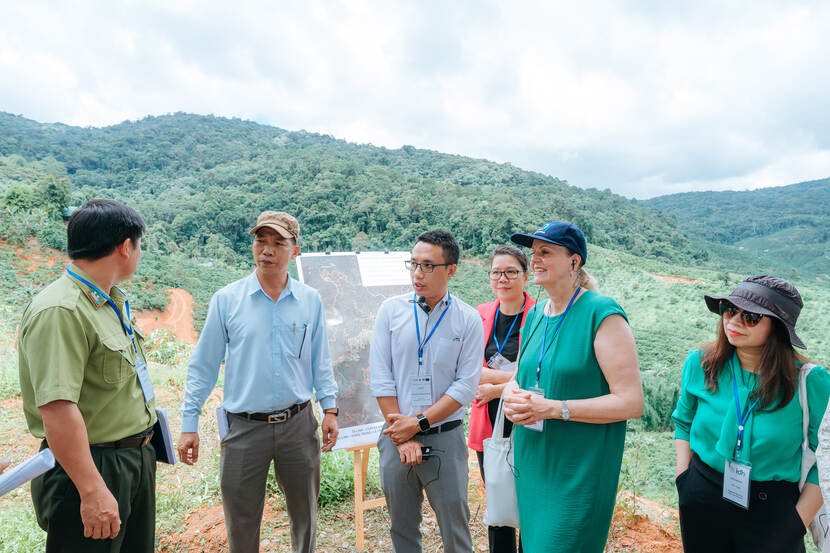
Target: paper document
161 440
222 421
24 472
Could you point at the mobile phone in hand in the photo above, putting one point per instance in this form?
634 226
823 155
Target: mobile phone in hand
426 451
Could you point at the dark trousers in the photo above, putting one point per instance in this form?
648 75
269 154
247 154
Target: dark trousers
710 524
502 538
130 474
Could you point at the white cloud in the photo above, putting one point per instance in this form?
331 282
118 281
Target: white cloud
640 98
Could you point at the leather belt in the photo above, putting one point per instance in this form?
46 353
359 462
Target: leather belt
138 440
446 427
275 416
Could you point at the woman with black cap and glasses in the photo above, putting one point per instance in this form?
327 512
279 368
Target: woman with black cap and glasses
738 427
578 381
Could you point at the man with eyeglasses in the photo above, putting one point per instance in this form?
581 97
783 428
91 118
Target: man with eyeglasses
425 363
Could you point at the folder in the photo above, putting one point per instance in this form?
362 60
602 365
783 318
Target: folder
161 440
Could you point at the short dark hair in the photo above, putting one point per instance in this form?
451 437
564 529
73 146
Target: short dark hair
444 239
98 226
518 254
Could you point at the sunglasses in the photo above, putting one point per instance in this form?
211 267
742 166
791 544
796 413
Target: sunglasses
748 317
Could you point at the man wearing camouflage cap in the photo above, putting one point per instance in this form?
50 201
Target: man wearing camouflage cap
274 331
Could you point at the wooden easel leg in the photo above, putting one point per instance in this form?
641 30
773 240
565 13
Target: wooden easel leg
359 490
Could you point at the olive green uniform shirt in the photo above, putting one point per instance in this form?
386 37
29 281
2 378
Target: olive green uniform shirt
72 347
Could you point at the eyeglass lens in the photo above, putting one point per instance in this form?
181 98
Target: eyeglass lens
511 274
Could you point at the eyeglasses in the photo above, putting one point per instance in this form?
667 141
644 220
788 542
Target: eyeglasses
748 317
511 274
425 267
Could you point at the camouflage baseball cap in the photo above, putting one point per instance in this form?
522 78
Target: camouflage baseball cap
284 224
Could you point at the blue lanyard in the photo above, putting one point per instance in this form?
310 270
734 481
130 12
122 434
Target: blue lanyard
741 418
544 349
128 329
421 345
499 348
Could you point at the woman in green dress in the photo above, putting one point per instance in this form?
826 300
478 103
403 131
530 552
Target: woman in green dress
578 381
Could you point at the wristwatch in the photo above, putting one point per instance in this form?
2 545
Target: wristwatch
423 422
333 411
566 414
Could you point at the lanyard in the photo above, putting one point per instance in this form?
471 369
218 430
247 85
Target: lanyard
128 329
741 418
422 345
544 350
499 348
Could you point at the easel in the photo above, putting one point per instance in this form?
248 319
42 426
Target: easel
361 467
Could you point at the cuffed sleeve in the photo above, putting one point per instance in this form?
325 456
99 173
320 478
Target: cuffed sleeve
325 387
684 412
463 389
382 381
203 370
66 355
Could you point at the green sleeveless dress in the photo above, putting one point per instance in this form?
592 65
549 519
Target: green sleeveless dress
567 475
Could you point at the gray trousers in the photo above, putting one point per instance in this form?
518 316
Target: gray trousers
444 476
247 452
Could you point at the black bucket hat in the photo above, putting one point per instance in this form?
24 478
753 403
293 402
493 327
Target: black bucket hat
766 295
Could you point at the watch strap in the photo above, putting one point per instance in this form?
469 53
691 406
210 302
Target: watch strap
566 413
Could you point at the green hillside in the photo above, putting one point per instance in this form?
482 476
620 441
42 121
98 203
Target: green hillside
199 181
785 227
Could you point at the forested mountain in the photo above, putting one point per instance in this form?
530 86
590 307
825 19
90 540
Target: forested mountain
790 224
200 181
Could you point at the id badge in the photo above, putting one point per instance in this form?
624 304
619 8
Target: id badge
537 426
736 482
422 390
144 380
500 363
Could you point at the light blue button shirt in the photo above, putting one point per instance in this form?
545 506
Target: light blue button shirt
276 353
453 354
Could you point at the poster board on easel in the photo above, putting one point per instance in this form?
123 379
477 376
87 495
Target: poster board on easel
353 286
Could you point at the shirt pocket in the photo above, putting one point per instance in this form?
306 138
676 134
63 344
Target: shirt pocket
446 353
295 339
117 358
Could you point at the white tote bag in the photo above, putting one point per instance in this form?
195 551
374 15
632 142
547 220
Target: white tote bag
819 526
502 508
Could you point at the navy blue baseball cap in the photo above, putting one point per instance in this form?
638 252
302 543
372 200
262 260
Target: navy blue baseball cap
556 232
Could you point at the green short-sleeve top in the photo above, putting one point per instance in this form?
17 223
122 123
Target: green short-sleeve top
708 420
72 347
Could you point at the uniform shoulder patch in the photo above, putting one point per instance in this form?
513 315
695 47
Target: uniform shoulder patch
96 297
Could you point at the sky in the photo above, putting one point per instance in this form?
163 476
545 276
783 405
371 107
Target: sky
641 97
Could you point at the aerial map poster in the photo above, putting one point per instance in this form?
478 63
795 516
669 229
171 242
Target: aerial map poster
353 285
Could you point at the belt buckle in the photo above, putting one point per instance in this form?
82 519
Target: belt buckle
146 440
278 417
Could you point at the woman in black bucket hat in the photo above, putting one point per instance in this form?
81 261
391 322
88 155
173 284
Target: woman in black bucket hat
738 427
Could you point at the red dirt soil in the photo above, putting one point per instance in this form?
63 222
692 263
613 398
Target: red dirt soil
203 530
178 317
678 279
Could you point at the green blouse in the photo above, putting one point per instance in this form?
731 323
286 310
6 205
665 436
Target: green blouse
772 439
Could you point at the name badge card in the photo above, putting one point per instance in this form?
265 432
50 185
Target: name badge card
422 390
537 426
500 363
144 380
736 483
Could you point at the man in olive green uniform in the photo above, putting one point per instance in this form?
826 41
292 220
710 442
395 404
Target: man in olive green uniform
86 391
